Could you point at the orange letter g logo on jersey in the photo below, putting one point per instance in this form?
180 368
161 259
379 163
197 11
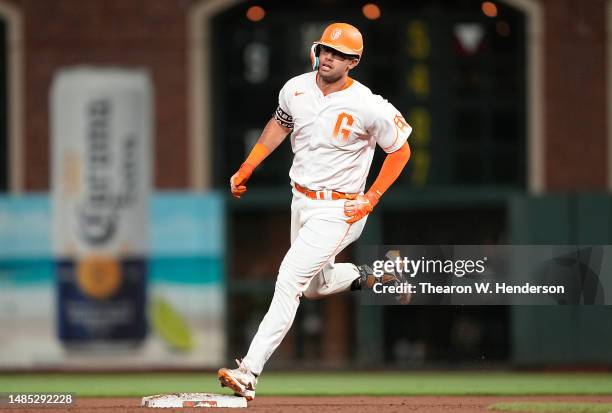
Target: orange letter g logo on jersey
340 131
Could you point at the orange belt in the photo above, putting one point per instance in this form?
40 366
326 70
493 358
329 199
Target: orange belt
326 194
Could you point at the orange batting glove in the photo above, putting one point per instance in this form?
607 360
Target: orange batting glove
239 179
361 206
391 169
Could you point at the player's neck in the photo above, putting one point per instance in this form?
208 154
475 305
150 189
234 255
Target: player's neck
331 87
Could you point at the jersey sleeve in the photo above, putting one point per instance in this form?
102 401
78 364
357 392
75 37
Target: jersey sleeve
283 112
387 125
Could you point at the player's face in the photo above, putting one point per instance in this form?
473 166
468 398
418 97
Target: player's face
333 64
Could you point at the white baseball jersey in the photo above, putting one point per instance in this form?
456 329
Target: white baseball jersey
334 136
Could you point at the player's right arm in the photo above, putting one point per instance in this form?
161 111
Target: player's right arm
272 136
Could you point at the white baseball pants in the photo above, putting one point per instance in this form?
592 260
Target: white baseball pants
318 233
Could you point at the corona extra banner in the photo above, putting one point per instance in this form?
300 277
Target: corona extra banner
101 127
102 273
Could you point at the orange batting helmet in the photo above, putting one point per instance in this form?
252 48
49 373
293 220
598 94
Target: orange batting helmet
341 37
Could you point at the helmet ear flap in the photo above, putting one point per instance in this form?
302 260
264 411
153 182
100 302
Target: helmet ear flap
314 56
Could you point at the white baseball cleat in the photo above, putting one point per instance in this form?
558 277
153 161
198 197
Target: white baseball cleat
240 380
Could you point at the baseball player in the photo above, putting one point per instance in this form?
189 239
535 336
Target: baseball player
335 124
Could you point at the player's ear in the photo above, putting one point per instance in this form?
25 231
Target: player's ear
314 56
353 64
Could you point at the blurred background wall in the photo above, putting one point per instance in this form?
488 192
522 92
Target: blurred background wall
509 101
570 35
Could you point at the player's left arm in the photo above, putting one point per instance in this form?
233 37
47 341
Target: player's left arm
391 132
391 169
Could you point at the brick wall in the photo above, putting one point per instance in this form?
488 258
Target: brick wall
152 33
575 85
132 33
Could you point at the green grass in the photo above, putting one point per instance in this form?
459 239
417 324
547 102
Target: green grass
315 384
545 407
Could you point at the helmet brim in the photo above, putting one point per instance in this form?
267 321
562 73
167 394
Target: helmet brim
341 49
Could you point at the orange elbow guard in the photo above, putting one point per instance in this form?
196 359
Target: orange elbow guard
390 171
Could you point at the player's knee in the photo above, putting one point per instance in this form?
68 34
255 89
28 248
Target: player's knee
291 281
286 286
312 294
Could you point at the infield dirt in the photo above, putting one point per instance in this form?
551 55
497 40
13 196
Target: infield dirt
419 404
